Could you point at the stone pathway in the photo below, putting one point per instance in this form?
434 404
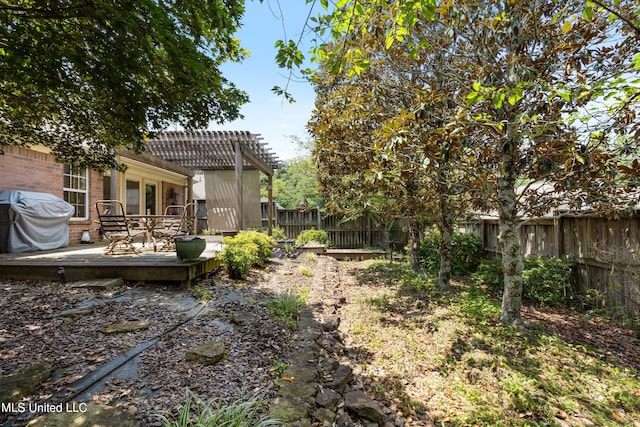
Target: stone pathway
318 387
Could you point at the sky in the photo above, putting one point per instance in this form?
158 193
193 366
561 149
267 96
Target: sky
268 114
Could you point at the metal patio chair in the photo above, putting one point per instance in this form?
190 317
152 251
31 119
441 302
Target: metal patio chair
116 227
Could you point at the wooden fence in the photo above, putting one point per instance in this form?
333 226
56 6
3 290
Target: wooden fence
354 234
605 250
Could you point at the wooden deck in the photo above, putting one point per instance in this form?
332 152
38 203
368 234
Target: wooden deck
85 262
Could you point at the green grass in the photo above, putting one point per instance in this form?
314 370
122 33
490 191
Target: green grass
444 356
286 307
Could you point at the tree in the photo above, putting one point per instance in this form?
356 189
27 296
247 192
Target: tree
523 65
295 182
86 78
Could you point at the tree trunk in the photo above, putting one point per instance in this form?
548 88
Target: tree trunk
512 264
446 242
414 235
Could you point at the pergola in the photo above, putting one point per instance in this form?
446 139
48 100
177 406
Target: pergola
219 150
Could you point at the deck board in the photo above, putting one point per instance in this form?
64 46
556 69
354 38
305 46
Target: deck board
84 262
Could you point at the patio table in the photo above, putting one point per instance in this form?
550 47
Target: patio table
152 222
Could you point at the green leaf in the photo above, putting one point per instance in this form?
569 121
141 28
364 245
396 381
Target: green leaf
566 27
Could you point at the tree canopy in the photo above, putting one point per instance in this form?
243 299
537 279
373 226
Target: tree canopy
527 72
85 78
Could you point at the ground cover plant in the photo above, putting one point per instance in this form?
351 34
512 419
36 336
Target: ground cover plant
443 357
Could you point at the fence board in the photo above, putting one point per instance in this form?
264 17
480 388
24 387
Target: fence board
353 234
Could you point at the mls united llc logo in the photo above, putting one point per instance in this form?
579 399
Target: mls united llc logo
20 407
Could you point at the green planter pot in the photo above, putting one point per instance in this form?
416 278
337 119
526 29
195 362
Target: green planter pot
190 248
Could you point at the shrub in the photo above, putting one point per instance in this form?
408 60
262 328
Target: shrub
278 233
263 242
466 252
238 258
546 280
313 236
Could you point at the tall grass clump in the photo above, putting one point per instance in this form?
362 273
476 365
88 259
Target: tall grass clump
199 413
286 307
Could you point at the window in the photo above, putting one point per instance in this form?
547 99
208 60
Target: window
133 197
76 191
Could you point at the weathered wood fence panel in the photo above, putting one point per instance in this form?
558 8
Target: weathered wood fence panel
606 252
353 234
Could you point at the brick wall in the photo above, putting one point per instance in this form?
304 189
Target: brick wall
28 170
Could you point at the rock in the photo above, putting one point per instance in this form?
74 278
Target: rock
243 318
303 390
328 365
101 284
344 420
331 323
15 387
328 398
324 416
125 327
207 353
301 373
362 405
288 410
340 378
87 415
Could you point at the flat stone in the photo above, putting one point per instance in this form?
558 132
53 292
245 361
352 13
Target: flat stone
358 402
85 415
302 390
103 284
328 398
288 409
340 378
15 387
125 327
301 373
207 353
243 318
76 312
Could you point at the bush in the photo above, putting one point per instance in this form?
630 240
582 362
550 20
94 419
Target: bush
546 280
278 233
313 236
466 253
238 259
264 244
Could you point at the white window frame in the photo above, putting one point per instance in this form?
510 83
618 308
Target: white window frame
76 175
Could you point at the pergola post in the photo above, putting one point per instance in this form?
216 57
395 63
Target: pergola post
238 160
270 203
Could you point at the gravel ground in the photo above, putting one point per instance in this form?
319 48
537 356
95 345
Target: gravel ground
38 324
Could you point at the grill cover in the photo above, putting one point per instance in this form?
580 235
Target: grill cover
31 221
